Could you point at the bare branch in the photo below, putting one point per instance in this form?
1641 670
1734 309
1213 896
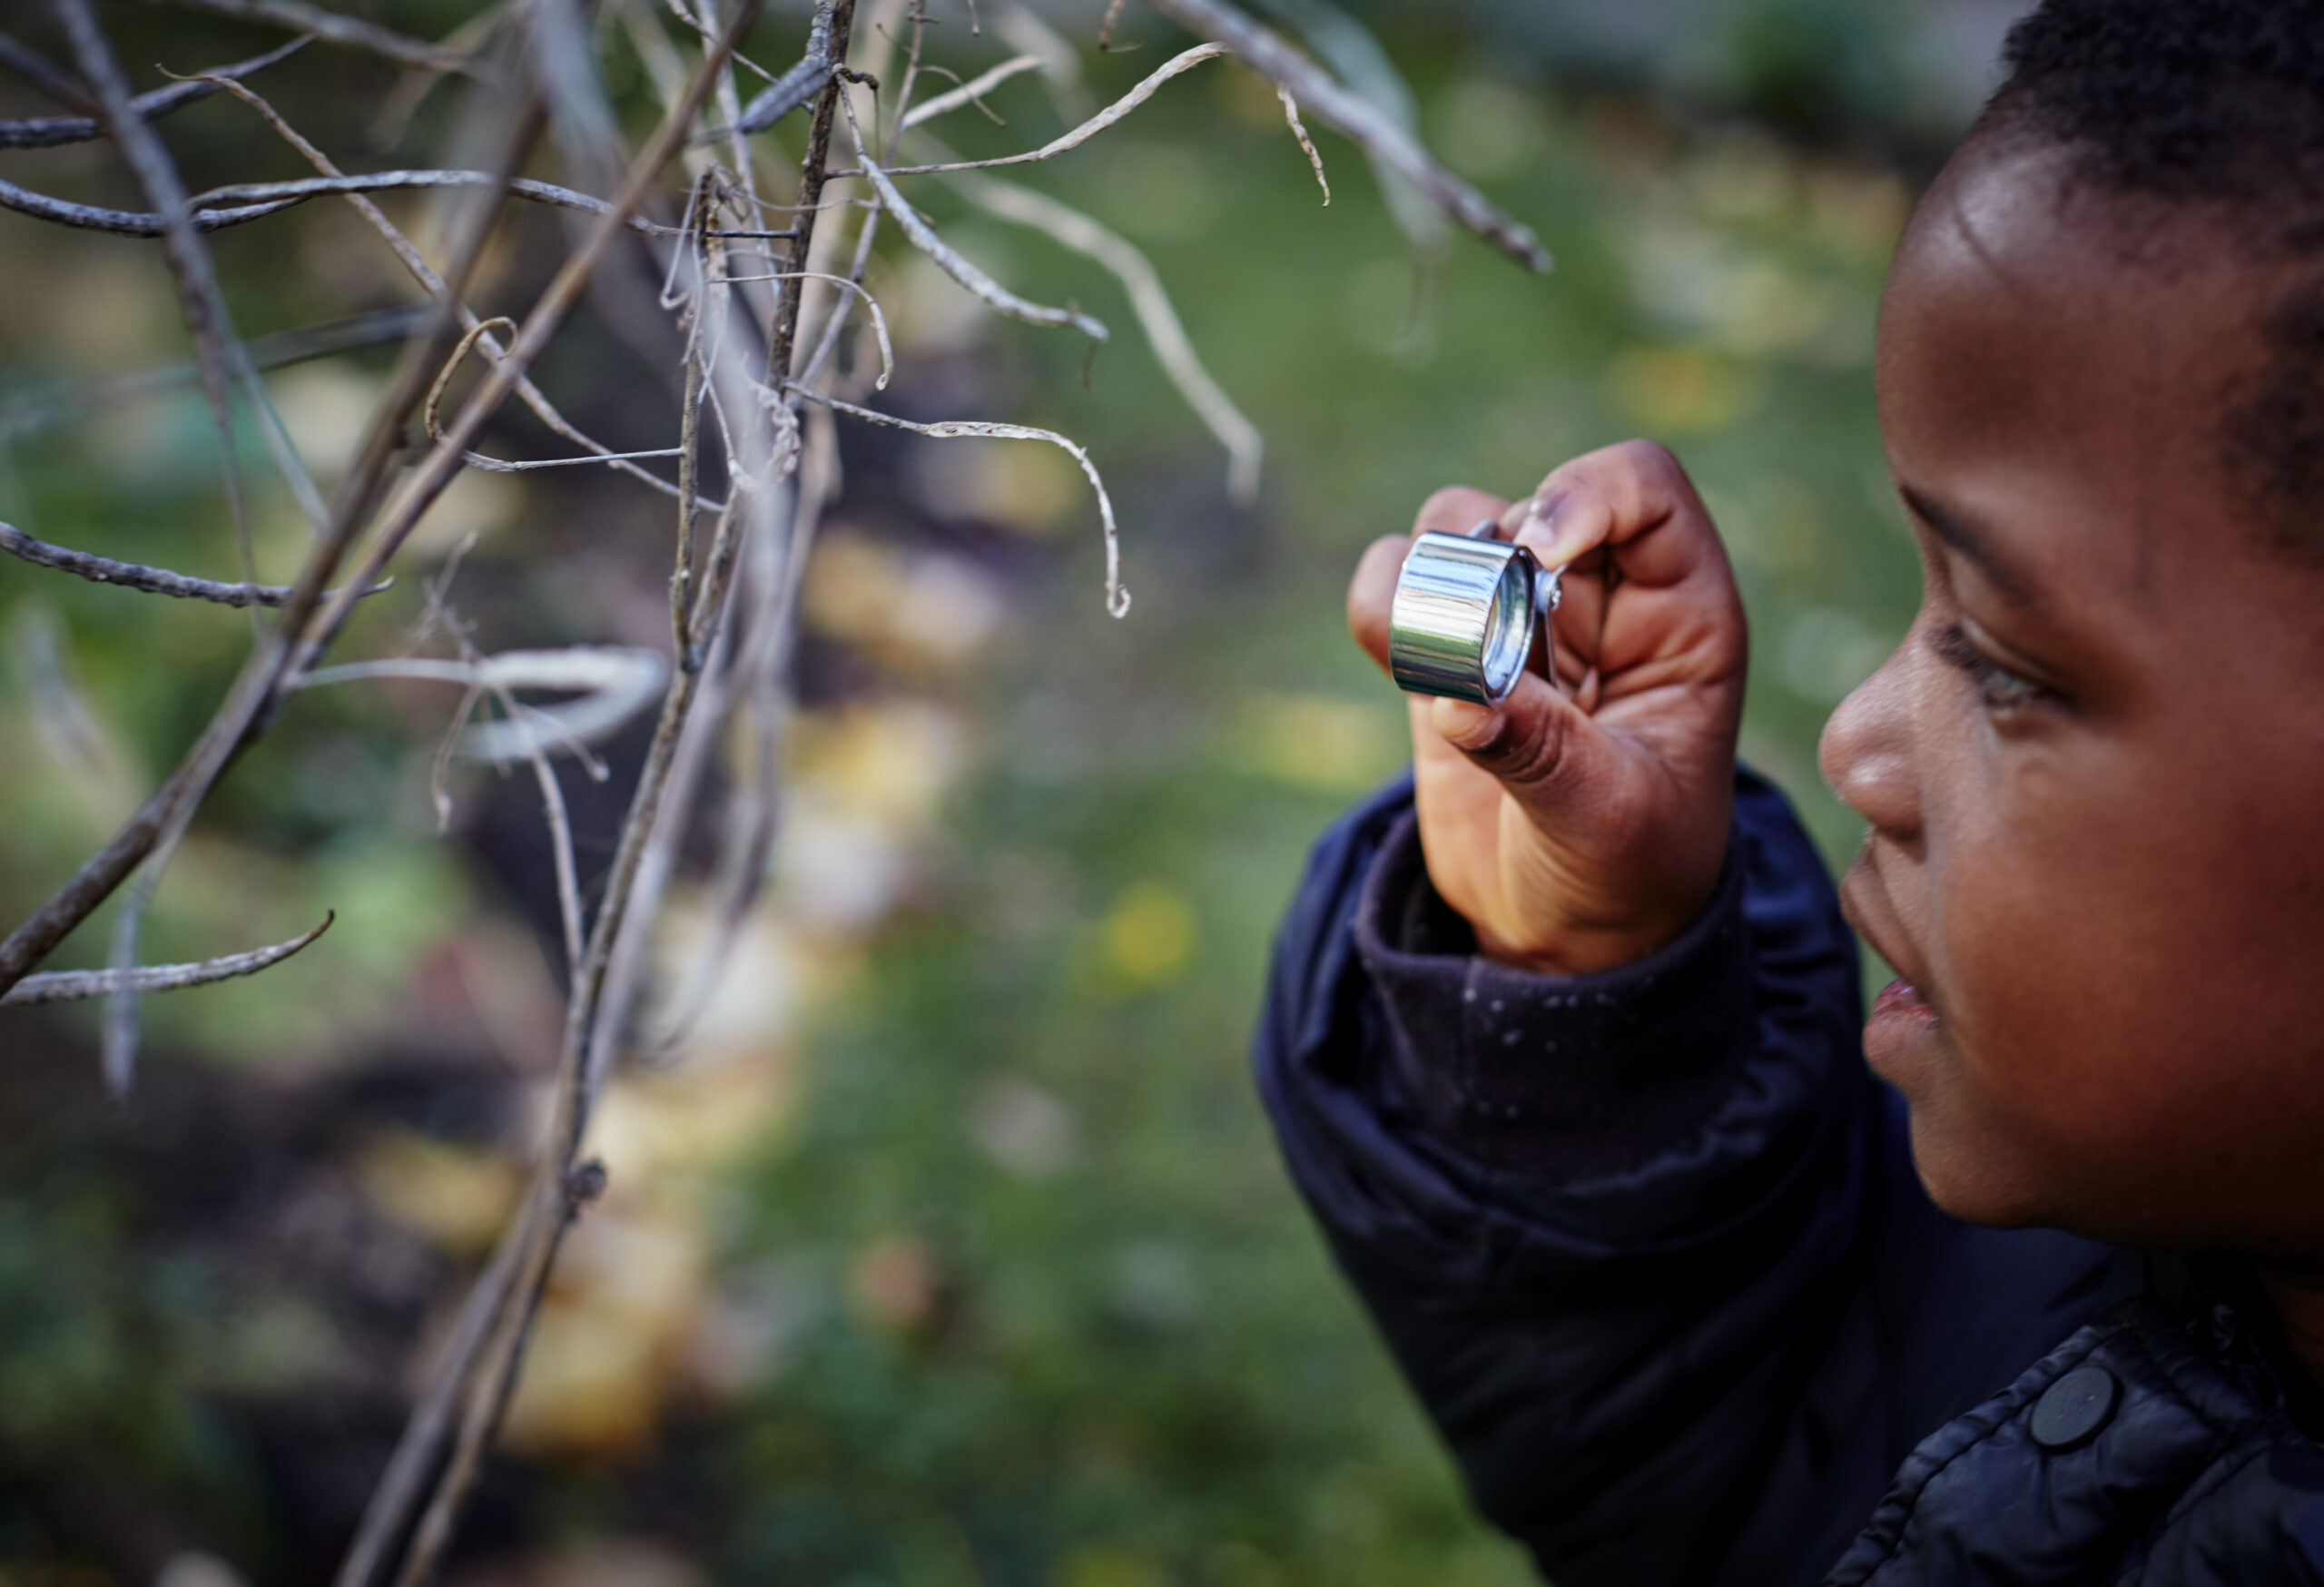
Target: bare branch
220 354
304 188
490 465
986 290
243 201
879 321
795 87
49 131
139 576
433 284
1116 598
1151 303
1291 114
124 223
1106 45
58 986
972 92
45 74
474 1384
1024 31
1185 61
218 349
157 824
1355 119
37 411
343 29
615 683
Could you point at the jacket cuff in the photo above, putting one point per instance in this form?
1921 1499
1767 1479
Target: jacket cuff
1559 1077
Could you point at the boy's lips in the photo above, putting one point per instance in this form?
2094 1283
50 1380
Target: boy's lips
1901 999
1901 1010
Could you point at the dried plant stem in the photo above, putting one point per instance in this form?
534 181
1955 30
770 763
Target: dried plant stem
125 222
257 690
45 74
49 131
1105 28
220 355
138 576
1116 598
1299 131
948 259
1358 121
250 200
1185 61
615 683
343 29
972 92
477 1383
1150 302
57 986
433 285
30 413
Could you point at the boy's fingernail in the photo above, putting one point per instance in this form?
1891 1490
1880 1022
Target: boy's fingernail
1459 722
1539 531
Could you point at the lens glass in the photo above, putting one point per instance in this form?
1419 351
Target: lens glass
1509 628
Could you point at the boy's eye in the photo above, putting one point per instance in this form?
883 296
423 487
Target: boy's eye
1998 688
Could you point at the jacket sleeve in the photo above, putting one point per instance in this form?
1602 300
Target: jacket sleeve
1646 1242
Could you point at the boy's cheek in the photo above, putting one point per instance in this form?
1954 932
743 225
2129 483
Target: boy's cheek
1964 1156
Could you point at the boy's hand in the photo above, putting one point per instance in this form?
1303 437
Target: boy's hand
1583 826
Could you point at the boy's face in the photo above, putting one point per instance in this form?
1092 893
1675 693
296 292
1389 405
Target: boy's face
2094 770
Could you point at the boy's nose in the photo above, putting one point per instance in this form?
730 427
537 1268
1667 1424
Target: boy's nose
1864 753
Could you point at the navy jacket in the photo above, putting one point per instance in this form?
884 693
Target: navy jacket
1649 1248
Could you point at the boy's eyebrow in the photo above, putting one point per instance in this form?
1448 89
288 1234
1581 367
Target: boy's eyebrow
1972 540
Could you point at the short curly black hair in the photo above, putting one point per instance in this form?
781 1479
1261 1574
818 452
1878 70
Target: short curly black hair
2219 102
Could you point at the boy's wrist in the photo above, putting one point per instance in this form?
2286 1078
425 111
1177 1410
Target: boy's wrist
1564 1075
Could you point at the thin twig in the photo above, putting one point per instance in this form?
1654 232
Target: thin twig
1357 119
40 206
58 986
795 87
256 690
220 354
1116 598
615 682
475 1383
491 465
38 411
45 74
1291 115
879 320
972 92
244 201
982 286
304 188
49 131
1150 302
1185 61
430 282
343 29
139 576
1106 45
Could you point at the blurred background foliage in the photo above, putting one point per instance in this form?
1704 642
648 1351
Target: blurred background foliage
951 1249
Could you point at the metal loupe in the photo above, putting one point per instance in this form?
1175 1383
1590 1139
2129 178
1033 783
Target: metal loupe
1464 614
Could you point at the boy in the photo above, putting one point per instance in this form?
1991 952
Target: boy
1562 1043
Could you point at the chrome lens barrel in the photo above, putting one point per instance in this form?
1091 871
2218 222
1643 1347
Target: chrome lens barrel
1463 620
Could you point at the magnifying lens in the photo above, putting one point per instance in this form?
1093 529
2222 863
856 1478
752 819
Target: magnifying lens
1464 614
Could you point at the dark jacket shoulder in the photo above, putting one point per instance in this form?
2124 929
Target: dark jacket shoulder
1649 1248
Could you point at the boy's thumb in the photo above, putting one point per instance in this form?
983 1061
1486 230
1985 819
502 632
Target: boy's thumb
1532 743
